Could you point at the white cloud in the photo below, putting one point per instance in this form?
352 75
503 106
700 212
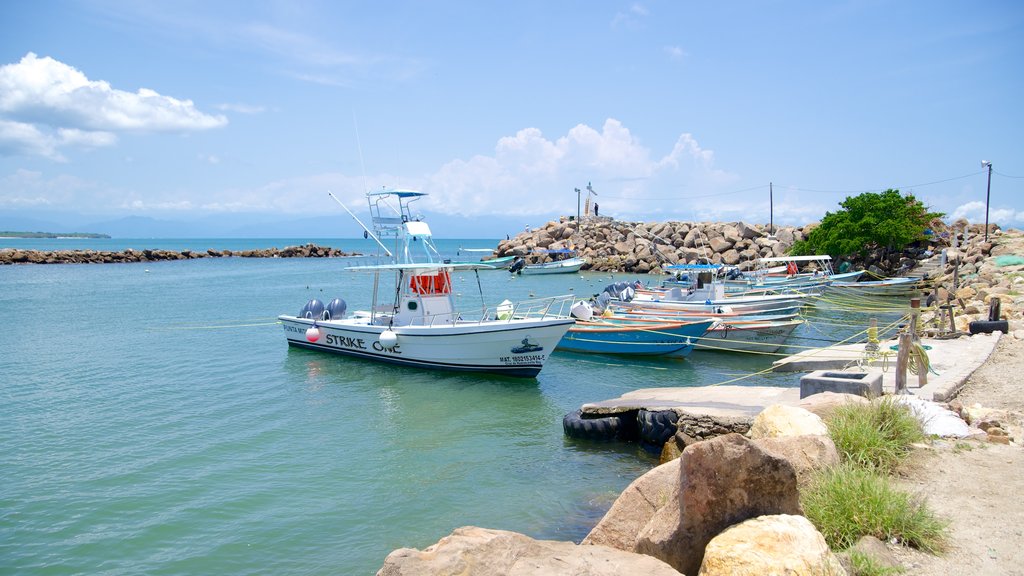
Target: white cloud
974 212
675 52
21 139
528 174
241 108
28 188
45 104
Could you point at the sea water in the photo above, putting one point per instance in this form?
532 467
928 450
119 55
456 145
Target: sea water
153 421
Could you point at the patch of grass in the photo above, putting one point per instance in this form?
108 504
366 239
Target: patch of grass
864 565
963 447
877 435
851 501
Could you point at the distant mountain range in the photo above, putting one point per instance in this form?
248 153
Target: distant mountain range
251 225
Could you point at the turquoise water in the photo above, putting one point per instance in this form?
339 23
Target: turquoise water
153 421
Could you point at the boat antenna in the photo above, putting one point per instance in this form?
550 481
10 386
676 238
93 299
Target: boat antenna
363 226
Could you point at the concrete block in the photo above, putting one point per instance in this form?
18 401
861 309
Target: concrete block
867 384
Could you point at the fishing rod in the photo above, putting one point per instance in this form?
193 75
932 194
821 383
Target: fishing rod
365 229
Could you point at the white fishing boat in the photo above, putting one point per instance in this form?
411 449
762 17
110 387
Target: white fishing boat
748 336
704 293
565 262
489 263
415 321
897 286
791 272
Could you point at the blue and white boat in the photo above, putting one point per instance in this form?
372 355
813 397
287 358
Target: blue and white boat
565 262
634 336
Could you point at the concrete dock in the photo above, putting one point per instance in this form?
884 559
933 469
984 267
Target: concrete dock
951 362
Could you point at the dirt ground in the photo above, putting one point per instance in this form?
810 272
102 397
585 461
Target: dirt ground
978 487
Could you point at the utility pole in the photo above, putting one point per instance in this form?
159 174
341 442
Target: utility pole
577 204
988 192
771 209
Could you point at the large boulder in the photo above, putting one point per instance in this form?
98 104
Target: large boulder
807 454
719 244
824 403
722 481
472 551
633 509
780 544
779 420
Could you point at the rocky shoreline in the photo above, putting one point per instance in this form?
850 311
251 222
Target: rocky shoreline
15 256
646 247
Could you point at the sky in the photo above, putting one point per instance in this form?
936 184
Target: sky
671 110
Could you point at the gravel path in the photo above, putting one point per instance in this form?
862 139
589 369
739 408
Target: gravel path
977 486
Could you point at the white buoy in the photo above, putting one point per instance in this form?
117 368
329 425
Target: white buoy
313 334
388 339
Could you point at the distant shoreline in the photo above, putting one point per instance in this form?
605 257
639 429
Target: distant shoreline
16 256
53 235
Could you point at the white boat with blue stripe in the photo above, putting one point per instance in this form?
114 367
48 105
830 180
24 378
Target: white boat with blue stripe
418 323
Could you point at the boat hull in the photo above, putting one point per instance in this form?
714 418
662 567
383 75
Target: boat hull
759 337
651 339
515 347
745 305
569 266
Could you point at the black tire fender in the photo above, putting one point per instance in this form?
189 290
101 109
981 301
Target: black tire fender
989 326
577 425
657 426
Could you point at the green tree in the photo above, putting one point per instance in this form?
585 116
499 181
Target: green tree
887 220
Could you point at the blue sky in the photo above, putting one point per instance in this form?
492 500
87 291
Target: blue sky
673 110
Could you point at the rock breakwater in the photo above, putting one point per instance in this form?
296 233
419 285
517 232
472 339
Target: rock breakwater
15 256
645 247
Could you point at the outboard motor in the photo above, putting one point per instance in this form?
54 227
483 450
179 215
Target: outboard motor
313 310
627 294
601 302
582 311
517 265
335 309
733 274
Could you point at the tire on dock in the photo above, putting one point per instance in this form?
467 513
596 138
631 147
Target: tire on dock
657 426
603 428
989 326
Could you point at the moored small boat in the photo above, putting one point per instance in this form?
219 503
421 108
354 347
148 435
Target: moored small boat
566 262
748 336
632 336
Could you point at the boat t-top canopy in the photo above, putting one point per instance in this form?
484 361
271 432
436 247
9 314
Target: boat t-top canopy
784 259
555 251
399 193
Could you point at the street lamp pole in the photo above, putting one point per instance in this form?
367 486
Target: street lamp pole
988 193
577 204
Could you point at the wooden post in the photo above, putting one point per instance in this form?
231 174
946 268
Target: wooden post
915 339
915 313
901 364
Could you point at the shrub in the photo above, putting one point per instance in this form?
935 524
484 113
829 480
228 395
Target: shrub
850 501
887 220
876 435
864 565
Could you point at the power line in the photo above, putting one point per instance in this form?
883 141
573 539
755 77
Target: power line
1007 175
886 188
817 191
714 195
